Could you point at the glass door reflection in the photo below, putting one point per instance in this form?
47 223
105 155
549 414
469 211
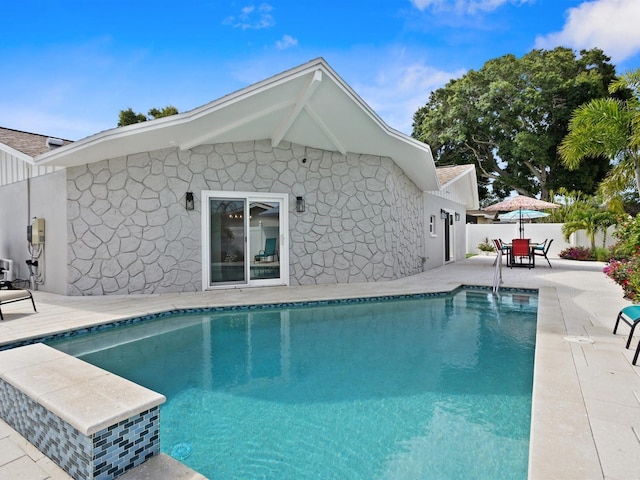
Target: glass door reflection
264 240
227 240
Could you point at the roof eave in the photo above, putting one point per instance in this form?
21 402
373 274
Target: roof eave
16 153
412 156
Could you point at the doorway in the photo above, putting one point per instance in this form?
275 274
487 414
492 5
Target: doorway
449 243
244 239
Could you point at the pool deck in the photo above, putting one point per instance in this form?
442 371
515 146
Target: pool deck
586 401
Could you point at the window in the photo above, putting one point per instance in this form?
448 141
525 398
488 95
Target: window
432 225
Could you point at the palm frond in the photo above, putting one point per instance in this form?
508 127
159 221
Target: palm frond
599 127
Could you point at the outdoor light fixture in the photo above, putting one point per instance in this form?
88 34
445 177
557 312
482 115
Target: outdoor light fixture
300 204
443 214
457 217
189 203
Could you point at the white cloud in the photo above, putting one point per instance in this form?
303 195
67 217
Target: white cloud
252 18
464 6
611 25
401 89
286 41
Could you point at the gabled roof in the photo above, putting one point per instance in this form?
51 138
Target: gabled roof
309 105
450 173
463 179
25 145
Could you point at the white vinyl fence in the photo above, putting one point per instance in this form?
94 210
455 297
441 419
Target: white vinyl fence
537 232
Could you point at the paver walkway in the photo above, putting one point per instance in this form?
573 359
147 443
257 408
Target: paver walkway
586 407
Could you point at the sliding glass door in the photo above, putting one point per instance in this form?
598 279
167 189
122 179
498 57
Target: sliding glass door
244 239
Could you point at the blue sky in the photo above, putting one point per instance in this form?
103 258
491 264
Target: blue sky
70 66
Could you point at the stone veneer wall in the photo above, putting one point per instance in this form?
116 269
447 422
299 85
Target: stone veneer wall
129 231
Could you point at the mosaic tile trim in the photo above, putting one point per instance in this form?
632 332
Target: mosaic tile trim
233 308
121 447
102 456
58 440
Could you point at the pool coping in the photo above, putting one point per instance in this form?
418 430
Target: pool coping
135 320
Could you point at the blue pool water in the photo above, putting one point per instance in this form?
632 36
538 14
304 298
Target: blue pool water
421 388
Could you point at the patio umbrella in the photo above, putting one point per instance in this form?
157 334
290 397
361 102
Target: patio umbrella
522 214
520 202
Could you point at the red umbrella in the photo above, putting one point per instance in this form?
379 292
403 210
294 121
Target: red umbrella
520 202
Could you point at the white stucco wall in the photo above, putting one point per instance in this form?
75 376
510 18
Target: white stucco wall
435 243
49 201
14 217
537 232
45 197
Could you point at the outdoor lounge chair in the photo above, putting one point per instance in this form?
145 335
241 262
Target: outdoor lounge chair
269 250
542 252
631 316
15 295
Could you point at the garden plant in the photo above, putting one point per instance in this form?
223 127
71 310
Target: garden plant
624 266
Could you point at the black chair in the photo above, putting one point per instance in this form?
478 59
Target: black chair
542 252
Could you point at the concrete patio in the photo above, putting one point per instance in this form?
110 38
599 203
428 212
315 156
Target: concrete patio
586 402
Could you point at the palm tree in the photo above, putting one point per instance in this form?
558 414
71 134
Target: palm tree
609 127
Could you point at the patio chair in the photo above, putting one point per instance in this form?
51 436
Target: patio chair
631 316
15 295
542 252
500 246
521 249
269 250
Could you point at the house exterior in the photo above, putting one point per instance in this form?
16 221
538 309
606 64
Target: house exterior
192 201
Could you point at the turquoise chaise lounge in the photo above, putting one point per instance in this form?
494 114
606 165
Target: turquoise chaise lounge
269 250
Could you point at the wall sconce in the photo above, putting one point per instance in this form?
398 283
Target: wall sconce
189 203
443 214
300 204
457 217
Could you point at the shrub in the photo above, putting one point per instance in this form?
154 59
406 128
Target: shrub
603 254
577 253
486 245
626 273
628 235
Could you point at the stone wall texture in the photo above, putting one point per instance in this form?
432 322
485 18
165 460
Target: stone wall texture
129 231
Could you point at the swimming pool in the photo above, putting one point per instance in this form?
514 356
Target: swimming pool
422 387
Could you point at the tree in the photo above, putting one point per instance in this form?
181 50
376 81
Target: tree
509 117
589 213
591 219
165 112
609 127
129 117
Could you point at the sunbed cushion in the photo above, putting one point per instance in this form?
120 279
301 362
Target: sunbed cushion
6 295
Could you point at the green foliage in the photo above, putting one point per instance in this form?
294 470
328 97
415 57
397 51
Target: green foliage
602 254
608 127
576 253
624 267
589 213
626 273
165 112
509 117
129 117
485 245
628 235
